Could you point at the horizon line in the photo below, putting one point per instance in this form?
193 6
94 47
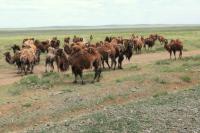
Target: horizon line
74 26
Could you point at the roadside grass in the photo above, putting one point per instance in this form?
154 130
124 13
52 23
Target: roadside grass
27 105
160 94
31 82
133 67
137 78
185 79
160 80
164 112
183 65
163 62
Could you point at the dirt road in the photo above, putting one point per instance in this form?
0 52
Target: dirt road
9 76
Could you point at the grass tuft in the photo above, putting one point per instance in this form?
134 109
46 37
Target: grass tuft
160 81
46 81
186 79
163 62
160 94
27 105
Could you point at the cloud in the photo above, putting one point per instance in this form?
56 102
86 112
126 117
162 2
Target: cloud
30 13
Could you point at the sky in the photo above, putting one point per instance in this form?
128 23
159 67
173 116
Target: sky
39 13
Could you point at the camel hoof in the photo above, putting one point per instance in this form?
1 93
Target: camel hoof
75 82
120 68
18 72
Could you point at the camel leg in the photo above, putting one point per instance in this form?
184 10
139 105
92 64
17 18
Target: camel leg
58 68
22 68
81 76
75 74
107 63
103 64
120 60
112 62
18 69
31 65
180 55
46 65
115 63
95 75
174 54
170 55
99 75
26 69
75 80
52 67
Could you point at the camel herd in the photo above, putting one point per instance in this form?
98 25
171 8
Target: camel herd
79 55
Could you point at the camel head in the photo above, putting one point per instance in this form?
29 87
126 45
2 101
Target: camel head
8 57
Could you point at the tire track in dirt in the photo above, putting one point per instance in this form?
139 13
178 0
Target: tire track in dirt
9 76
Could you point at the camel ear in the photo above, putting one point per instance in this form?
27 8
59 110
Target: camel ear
91 51
6 53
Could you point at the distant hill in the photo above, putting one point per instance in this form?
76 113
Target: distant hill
100 27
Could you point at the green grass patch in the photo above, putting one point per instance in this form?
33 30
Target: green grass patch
160 94
137 78
27 105
105 98
160 81
193 58
67 90
134 68
185 79
163 62
46 81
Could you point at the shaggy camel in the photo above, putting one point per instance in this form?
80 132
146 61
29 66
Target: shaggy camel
85 59
27 59
50 58
62 60
138 44
173 46
43 45
13 59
